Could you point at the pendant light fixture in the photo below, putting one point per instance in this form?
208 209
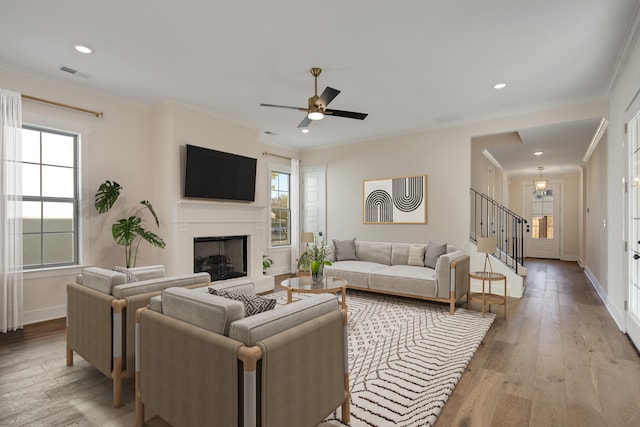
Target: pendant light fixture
540 182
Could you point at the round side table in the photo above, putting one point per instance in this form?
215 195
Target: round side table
486 297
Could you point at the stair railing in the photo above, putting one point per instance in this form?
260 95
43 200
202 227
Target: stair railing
491 219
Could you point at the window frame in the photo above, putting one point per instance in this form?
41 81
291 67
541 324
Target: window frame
83 130
283 171
76 200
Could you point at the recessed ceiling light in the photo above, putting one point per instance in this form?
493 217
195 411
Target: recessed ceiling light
499 85
83 49
305 130
537 153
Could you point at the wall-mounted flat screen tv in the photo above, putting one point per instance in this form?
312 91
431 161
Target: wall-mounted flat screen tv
212 174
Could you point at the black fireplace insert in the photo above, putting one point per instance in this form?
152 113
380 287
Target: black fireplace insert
223 257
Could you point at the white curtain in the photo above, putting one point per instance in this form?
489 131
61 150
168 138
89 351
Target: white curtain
10 211
294 203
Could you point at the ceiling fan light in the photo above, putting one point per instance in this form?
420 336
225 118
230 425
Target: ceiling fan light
315 115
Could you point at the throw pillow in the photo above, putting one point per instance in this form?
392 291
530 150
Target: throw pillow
345 249
253 304
433 252
416 255
130 276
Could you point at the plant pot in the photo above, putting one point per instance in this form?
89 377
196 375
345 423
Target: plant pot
317 271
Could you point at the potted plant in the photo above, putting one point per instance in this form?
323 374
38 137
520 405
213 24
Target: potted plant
266 263
314 259
127 231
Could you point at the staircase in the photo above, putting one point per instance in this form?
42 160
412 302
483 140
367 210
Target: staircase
490 219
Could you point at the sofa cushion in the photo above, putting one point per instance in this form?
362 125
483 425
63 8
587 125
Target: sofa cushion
130 276
345 250
254 329
101 279
238 286
356 273
148 272
198 307
253 304
374 252
433 252
202 309
405 279
416 255
156 285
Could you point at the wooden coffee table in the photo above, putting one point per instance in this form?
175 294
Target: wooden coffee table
305 285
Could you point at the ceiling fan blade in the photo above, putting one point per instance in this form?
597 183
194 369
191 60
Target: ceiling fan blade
305 122
327 96
347 114
284 106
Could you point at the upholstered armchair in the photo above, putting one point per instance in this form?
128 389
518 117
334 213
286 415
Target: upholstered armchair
101 316
202 362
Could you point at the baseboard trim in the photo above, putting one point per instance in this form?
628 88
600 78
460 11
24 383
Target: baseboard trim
615 314
50 313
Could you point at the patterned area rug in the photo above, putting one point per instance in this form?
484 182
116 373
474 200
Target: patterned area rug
405 358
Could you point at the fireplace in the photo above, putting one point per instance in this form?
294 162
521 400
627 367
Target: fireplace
223 257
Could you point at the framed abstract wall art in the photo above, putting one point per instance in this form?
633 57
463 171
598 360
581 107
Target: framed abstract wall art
400 200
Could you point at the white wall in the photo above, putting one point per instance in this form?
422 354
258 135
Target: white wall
481 164
444 155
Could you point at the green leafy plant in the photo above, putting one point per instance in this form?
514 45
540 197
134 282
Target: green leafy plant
127 231
313 257
266 263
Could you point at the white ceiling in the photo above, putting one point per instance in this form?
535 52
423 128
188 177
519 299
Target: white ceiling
411 65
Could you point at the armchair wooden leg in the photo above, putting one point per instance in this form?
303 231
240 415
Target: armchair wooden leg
69 351
346 404
117 382
452 302
139 404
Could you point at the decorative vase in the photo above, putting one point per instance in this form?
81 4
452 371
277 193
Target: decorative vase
317 271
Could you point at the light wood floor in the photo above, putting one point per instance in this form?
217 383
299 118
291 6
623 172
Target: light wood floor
559 359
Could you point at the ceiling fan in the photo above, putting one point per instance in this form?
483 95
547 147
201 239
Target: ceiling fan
317 108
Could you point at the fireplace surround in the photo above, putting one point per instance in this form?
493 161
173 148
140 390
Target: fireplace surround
193 219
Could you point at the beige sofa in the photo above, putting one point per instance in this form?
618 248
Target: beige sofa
201 362
101 309
439 274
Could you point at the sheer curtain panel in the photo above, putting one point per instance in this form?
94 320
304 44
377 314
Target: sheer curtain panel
11 212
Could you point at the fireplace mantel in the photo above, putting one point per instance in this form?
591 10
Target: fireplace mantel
193 219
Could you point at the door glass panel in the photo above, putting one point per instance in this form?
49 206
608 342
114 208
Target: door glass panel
542 214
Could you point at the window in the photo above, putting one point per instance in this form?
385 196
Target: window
542 218
280 209
49 197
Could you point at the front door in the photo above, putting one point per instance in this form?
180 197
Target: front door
543 215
